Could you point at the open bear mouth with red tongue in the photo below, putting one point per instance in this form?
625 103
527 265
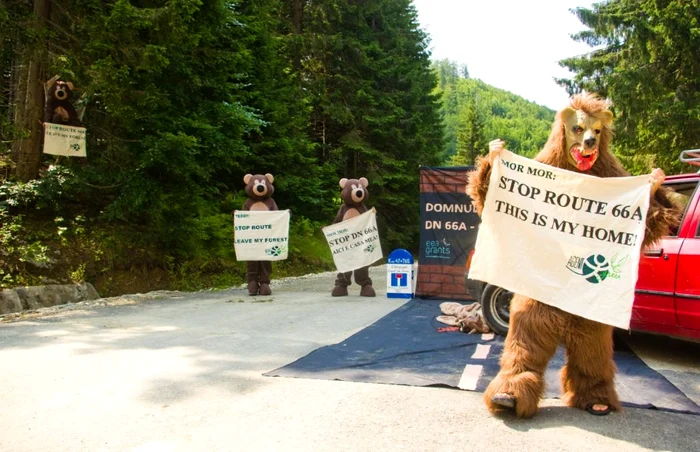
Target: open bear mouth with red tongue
583 158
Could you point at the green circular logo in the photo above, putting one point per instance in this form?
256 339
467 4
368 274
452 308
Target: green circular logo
595 268
274 251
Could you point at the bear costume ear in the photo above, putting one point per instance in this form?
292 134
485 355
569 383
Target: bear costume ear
364 182
70 85
568 115
270 177
606 116
247 178
343 181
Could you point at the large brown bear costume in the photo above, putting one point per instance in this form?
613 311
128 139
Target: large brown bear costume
578 142
259 189
353 194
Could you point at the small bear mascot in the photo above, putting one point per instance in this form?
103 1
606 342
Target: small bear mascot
59 107
353 194
259 190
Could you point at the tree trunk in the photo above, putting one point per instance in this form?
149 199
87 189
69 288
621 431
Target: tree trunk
297 15
30 107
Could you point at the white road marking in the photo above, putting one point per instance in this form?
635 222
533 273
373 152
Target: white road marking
470 377
487 337
481 352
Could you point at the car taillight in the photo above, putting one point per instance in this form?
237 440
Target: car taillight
469 259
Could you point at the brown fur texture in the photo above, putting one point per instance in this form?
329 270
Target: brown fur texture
59 103
353 193
537 329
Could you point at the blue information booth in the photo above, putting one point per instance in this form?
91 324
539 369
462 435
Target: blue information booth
400 276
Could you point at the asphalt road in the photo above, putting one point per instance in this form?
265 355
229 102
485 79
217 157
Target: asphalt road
183 372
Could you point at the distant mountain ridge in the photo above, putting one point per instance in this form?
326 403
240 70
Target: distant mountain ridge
474 113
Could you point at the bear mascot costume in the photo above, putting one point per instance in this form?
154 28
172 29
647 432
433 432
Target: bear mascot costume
579 141
259 190
353 195
59 103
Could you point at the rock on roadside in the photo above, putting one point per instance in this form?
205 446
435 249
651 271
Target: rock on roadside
35 297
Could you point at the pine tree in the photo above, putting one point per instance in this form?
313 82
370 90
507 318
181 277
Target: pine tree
374 113
281 145
168 113
471 141
646 61
23 33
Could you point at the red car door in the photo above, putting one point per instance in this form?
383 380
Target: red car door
688 272
654 301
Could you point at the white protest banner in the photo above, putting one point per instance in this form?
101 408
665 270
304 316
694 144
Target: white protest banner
64 140
566 239
260 235
354 242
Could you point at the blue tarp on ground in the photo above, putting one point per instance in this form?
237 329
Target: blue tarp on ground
407 347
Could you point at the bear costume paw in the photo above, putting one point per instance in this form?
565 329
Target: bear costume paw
503 399
340 291
367 291
253 287
265 289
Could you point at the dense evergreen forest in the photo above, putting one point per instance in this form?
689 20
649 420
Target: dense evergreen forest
182 98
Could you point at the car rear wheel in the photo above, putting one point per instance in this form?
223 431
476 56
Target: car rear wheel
495 305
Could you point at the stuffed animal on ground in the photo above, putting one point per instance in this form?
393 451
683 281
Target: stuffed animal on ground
259 190
579 142
59 106
465 316
353 195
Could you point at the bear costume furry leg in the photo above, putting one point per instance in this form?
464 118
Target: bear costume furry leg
587 377
578 142
343 280
525 357
258 275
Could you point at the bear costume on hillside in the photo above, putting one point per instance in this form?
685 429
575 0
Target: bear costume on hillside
353 194
579 142
259 189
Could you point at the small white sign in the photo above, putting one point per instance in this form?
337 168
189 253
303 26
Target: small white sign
261 235
64 140
399 278
354 243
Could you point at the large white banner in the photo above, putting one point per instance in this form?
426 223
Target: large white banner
566 239
354 242
260 235
64 140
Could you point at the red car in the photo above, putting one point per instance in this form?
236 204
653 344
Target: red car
667 297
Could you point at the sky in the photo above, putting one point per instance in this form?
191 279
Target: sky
510 44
